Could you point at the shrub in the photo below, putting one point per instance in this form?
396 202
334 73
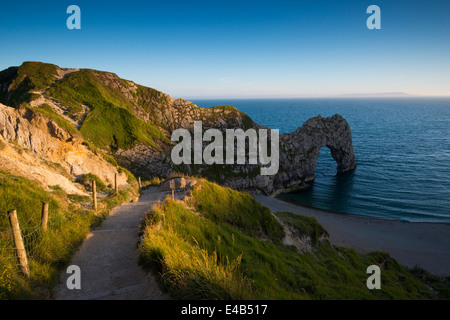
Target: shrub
87 179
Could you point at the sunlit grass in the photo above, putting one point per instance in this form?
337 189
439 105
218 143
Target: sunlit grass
48 251
222 244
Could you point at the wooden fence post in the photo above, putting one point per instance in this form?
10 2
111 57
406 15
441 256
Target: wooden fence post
44 216
116 186
172 186
18 242
94 195
139 182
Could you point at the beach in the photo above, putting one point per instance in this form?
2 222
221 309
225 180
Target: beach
426 245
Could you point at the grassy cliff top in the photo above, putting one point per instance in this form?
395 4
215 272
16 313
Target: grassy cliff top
232 248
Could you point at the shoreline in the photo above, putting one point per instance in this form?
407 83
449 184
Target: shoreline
425 244
352 214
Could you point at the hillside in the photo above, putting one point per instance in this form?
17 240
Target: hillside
236 249
133 124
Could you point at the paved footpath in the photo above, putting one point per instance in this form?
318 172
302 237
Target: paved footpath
108 258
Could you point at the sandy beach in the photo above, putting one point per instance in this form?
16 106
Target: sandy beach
426 245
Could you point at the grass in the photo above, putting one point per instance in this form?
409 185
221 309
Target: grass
188 270
232 115
48 252
47 111
231 249
308 226
131 179
87 178
110 124
23 80
112 128
237 209
154 181
85 88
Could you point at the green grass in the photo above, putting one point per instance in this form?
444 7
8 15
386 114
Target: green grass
131 179
155 181
220 244
234 113
47 111
114 128
237 209
87 179
110 124
85 87
308 226
48 252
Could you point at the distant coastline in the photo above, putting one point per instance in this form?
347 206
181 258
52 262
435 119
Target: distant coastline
379 95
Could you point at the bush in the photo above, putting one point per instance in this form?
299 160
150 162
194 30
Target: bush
130 177
87 179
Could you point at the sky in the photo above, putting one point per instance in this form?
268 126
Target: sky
241 49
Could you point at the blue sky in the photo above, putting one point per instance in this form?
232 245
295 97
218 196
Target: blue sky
241 49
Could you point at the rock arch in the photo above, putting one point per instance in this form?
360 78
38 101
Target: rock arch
300 149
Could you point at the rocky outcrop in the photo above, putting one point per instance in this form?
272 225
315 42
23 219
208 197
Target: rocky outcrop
300 149
179 183
35 146
298 155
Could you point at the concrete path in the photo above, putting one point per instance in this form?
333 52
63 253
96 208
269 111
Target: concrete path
108 258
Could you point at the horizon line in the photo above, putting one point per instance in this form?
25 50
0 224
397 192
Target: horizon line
318 97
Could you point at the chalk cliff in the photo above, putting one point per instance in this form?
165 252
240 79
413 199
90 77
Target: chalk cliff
35 146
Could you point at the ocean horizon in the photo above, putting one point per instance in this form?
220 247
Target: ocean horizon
402 148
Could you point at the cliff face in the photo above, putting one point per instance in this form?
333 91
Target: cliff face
35 146
134 124
298 155
300 150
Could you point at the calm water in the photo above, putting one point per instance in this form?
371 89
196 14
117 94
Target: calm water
402 148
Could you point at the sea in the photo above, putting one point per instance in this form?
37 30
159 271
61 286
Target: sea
402 148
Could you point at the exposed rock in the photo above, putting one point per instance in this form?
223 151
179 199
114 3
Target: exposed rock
300 149
302 241
298 154
38 148
180 183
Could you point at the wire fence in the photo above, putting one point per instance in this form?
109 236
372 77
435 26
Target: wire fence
32 234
